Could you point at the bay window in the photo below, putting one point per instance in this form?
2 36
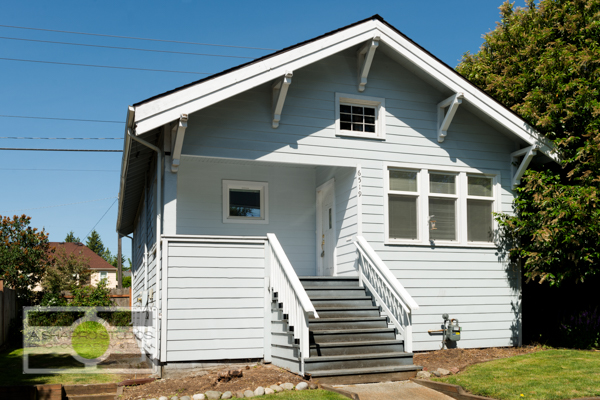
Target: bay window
430 206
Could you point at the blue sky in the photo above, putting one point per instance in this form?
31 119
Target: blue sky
40 184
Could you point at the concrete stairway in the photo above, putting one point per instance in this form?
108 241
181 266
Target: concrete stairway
352 342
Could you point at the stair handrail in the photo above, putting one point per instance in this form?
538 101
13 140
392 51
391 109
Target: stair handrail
394 291
291 294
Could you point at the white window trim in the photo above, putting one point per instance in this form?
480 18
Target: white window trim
353 99
423 203
264 201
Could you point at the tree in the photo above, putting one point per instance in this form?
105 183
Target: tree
543 63
70 270
126 281
71 238
24 253
95 244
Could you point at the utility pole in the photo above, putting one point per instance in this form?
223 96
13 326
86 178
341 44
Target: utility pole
119 265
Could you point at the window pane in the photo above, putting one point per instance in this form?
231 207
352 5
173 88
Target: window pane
403 217
345 117
244 203
480 186
445 184
346 126
369 128
442 223
403 180
345 109
357 110
357 127
369 111
479 221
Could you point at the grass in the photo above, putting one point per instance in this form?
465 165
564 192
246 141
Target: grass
11 371
551 374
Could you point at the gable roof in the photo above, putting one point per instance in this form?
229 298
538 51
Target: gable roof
96 262
146 116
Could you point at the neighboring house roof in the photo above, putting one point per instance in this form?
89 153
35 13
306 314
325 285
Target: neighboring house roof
97 263
145 117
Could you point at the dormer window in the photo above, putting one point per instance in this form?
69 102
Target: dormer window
360 116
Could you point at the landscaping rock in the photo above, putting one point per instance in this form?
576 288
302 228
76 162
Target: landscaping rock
227 395
185 398
443 372
454 370
259 391
175 398
423 375
152 399
287 386
197 396
164 398
313 385
239 395
276 388
248 393
269 391
302 386
436 373
213 395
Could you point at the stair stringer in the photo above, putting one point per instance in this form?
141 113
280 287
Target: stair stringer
285 353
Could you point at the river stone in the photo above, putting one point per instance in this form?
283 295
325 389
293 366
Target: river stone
454 370
259 391
248 393
239 394
269 391
302 386
436 373
313 385
276 388
175 398
185 398
287 386
197 396
213 395
163 398
443 372
227 395
423 375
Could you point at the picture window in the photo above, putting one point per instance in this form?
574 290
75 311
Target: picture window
245 202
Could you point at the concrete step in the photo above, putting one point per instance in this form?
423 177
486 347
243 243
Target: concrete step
365 375
342 301
315 324
348 311
350 348
328 281
352 335
376 360
332 291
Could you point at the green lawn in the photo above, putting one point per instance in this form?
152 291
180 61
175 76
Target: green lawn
550 374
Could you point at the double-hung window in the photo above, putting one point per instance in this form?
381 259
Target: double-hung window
442 207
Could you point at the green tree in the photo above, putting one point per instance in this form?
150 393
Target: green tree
70 270
95 244
25 253
543 62
71 238
126 281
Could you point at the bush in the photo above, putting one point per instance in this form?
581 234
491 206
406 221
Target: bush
581 331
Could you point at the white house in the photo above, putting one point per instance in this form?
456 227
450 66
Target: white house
356 161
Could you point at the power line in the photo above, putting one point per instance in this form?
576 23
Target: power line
62 119
85 150
136 38
105 66
62 170
102 217
124 48
62 138
64 205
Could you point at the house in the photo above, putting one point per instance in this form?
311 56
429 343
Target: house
320 208
99 267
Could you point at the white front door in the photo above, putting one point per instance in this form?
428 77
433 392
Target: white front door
326 229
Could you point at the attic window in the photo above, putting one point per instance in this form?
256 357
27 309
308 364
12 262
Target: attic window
360 116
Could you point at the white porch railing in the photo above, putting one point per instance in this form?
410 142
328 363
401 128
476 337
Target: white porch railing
291 293
388 292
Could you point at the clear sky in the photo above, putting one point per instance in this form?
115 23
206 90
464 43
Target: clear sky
44 185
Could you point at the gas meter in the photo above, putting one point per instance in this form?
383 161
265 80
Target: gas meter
450 330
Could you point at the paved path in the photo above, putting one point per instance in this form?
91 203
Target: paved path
403 390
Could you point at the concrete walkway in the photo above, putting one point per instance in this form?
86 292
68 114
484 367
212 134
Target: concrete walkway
403 390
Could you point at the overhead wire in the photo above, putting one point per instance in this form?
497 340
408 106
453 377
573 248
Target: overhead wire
59 169
111 206
125 48
61 138
62 119
136 38
83 150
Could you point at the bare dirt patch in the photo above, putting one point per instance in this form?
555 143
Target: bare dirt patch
259 375
462 358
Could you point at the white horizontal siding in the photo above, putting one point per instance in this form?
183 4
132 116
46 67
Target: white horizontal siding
215 313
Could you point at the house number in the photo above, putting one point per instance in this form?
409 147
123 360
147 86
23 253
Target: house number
359 176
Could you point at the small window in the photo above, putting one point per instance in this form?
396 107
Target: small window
360 116
245 202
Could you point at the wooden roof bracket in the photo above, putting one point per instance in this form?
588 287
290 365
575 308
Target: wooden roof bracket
365 59
528 153
280 89
177 136
445 118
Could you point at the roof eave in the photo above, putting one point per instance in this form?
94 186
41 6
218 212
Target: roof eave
124 164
